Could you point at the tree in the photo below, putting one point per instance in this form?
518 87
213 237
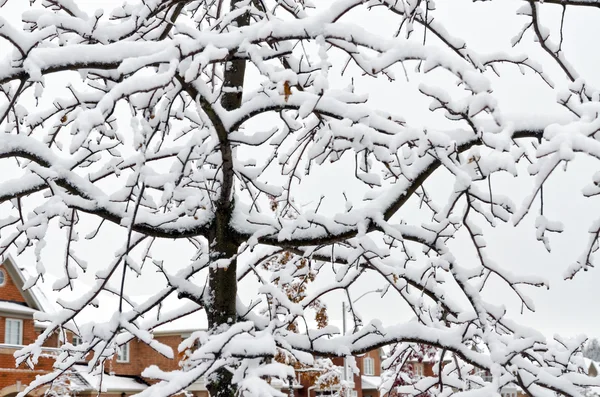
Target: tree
203 121
399 369
592 350
64 386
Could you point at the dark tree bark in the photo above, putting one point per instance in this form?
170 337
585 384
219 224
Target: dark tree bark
222 281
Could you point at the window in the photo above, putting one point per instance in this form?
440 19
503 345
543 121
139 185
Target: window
418 369
123 353
76 340
369 366
13 332
2 278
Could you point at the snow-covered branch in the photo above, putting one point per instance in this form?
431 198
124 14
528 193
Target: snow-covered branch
224 142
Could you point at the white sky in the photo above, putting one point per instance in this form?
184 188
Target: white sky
569 306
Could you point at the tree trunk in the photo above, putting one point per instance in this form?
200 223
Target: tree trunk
222 281
221 313
221 310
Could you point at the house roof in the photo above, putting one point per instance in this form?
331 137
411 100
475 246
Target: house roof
181 326
35 298
14 307
41 297
589 364
110 383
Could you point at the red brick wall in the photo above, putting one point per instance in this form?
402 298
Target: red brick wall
374 354
428 369
93 394
52 341
9 375
9 291
339 361
357 378
142 356
29 333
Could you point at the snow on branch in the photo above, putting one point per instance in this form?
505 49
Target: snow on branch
187 149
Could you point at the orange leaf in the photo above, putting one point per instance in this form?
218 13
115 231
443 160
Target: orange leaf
287 90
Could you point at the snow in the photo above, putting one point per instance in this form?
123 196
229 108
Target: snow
115 127
370 382
13 307
34 295
110 383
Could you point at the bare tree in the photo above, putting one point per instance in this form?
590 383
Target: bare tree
154 135
592 350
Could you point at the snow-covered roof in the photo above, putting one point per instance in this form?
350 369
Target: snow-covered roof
110 383
14 307
589 364
34 296
370 382
41 297
184 325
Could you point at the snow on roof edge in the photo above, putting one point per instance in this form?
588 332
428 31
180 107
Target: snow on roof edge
112 383
35 294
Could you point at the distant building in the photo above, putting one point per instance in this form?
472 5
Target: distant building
18 328
364 384
122 374
122 377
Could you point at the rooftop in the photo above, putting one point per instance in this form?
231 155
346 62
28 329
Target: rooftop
87 382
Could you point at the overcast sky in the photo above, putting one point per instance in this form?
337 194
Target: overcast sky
569 307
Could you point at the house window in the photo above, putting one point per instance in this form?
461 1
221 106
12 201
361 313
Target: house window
76 340
13 332
2 278
418 369
123 353
369 366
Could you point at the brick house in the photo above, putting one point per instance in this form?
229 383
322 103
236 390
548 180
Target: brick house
507 391
18 328
368 381
364 384
122 376
425 368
